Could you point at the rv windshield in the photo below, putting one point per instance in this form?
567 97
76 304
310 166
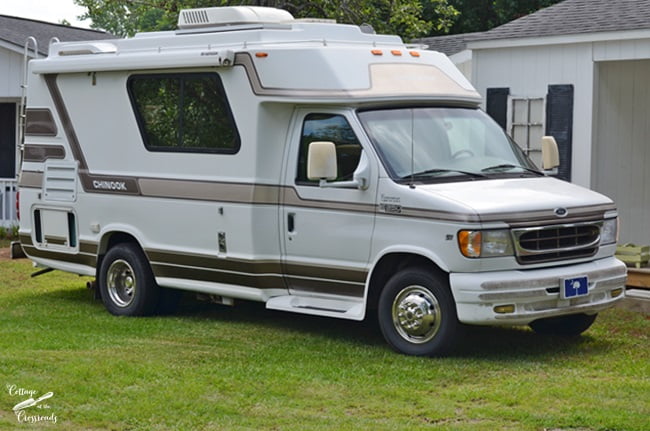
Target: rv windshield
443 144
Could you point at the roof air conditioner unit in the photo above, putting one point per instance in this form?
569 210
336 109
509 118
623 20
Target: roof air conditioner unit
231 15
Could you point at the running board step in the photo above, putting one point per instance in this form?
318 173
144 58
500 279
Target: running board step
340 308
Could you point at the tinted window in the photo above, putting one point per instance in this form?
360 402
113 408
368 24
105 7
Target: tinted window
183 112
332 128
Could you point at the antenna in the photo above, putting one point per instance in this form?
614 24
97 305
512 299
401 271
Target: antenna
412 185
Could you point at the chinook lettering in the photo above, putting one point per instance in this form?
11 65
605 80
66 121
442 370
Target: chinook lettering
110 185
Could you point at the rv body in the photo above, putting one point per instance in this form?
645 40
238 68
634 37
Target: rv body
307 165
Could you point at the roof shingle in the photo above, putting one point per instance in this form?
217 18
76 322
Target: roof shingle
575 17
448 45
16 30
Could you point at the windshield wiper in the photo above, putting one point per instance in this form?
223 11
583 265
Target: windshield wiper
507 167
437 172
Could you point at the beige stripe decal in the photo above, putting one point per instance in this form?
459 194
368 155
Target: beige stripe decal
210 191
31 179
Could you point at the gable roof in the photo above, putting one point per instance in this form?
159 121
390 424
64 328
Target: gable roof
15 31
575 17
449 44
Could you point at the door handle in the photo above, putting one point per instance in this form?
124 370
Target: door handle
291 222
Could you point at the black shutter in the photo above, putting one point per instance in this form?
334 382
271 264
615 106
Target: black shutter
8 140
496 105
559 124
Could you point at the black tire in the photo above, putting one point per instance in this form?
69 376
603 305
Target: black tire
565 326
126 283
417 313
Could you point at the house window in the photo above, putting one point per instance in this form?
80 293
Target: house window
185 112
526 125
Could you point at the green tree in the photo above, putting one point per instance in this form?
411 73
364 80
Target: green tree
482 15
403 17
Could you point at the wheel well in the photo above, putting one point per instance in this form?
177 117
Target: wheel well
391 264
108 241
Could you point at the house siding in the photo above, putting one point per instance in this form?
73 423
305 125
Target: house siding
528 71
622 150
11 73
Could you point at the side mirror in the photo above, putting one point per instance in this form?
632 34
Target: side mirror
322 165
321 161
550 153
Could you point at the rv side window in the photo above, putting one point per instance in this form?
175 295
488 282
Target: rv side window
184 113
333 128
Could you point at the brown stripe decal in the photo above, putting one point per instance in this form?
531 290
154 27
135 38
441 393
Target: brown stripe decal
40 153
70 134
258 274
269 281
86 256
327 287
39 122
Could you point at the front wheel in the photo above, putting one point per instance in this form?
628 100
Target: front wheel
565 326
417 314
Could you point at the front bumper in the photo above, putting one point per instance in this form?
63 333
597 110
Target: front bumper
535 293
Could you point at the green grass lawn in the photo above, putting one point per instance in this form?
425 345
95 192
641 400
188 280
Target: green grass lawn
212 367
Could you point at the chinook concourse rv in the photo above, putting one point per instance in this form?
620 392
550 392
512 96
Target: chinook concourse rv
311 166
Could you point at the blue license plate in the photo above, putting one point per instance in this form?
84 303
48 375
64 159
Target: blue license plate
574 287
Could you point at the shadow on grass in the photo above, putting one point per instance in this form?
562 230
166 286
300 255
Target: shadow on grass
501 344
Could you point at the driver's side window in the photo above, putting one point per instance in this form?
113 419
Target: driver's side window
333 128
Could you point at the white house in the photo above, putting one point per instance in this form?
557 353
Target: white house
14 33
580 71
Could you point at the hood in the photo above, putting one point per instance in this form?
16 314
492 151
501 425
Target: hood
519 199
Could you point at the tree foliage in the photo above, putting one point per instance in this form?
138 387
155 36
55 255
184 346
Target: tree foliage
408 18
482 15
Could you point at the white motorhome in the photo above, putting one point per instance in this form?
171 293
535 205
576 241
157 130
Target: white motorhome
318 168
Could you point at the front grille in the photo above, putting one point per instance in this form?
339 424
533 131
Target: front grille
557 242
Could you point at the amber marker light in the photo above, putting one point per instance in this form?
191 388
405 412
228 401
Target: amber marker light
396 52
504 309
414 53
377 52
469 242
261 54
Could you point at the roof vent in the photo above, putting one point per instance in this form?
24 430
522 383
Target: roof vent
231 15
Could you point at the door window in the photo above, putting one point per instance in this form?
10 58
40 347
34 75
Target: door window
333 128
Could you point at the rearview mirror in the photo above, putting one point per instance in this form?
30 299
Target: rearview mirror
550 153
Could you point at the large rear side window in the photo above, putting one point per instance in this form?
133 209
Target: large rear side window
183 113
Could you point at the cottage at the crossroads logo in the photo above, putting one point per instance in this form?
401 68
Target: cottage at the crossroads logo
30 406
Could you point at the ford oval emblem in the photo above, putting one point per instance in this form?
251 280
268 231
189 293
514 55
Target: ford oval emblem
561 212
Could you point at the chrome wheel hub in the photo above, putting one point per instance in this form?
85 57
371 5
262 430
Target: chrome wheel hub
416 314
121 283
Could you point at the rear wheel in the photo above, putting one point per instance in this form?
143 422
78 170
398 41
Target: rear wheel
566 326
126 283
417 314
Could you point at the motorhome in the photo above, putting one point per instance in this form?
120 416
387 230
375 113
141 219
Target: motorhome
315 167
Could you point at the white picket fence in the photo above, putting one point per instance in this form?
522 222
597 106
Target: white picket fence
8 189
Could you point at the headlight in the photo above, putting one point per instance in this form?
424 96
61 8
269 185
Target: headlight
486 243
609 231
